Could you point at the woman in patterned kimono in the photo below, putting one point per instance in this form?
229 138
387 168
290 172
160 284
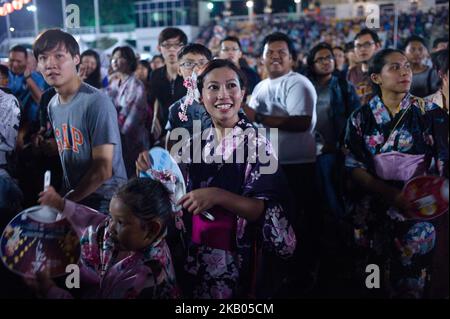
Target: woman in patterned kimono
129 97
125 255
393 120
240 253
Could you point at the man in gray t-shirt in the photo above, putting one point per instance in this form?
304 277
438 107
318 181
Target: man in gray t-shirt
85 126
87 121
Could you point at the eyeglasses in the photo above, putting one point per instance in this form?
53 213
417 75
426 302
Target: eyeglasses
324 59
365 45
230 49
172 45
191 65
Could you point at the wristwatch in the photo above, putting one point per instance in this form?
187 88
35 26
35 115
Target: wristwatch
28 76
259 118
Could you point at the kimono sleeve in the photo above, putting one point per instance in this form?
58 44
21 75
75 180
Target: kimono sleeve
81 217
138 110
277 231
354 142
437 129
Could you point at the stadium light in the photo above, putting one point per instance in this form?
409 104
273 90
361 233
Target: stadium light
32 8
12 29
298 7
210 6
249 4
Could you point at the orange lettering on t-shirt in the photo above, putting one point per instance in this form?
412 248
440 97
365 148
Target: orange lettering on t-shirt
77 138
66 142
58 140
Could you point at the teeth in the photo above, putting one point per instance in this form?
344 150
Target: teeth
223 106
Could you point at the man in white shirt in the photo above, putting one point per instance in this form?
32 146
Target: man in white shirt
286 101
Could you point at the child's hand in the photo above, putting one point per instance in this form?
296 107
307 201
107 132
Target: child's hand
40 284
200 200
143 162
51 198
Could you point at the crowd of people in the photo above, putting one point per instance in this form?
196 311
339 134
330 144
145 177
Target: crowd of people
304 227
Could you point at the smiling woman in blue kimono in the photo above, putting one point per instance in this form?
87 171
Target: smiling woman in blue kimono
394 123
251 232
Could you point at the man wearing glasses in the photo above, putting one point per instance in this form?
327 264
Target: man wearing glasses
166 84
367 43
192 59
336 100
231 49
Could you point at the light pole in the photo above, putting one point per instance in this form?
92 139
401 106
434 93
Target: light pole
249 5
268 7
63 8
395 24
298 7
8 29
227 11
97 19
35 18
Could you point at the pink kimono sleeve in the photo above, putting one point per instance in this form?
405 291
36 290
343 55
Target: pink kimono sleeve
81 217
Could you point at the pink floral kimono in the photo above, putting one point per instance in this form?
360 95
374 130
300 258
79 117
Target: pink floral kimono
106 273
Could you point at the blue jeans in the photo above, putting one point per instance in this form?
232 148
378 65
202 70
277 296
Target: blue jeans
327 181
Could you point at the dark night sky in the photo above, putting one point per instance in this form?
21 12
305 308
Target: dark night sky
50 13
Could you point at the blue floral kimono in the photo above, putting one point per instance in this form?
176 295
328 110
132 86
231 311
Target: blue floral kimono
233 266
402 248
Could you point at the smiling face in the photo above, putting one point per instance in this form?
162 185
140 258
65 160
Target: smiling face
396 74
58 66
126 229
277 59
222 96
89 63
17 62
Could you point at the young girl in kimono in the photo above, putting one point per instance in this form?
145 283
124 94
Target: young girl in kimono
393 120
123 255
238 253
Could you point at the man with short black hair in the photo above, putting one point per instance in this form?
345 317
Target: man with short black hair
367 43
25 84
85 124
336 100
440 44
231 49
287 101
166 84
425 79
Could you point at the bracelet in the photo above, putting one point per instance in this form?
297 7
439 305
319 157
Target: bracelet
28 76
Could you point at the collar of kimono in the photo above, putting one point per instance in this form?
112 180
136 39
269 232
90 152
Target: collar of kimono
229 142
381 113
